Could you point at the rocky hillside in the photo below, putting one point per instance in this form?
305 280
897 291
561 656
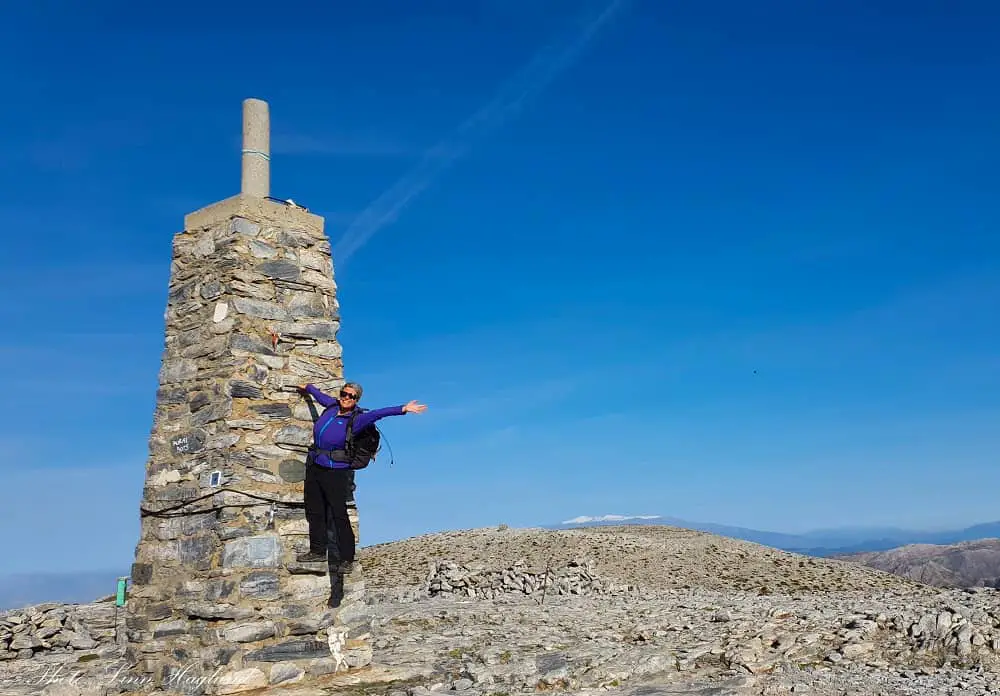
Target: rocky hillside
654 558
622 611
967 564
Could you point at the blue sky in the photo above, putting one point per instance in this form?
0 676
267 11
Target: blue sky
724 261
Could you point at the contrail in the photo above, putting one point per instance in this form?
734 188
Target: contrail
529 81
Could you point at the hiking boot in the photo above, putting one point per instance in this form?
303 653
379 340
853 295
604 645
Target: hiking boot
347 567
311 557
336 591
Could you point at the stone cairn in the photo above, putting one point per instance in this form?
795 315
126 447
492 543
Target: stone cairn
576 577
54 628
252 313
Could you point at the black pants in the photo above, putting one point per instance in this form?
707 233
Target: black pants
326 494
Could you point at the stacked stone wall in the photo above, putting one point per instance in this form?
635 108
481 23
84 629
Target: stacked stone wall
251 314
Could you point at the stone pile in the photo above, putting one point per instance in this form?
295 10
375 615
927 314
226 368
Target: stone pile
251 314
59 628
877 638
576 577
958 629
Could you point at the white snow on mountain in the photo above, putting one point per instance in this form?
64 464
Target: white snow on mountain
610 518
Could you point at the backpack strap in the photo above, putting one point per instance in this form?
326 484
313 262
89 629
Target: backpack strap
349 436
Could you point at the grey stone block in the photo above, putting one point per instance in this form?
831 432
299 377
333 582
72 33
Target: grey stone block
260 584
279 268
190 442
294 435
249 632
252 552
245 390
274 410
296 649
211 289
292 470
259 308
319 330
178 370
243 226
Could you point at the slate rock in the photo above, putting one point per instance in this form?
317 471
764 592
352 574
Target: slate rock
176 627
249 632
296 649
181 293
311 624
252 552
243 226
258 373
198 400
294 435
292 470
239 389
326 349
171 396
286 673
256 290
261 250
295 239
157 612
25 641
250 344
211 289
207 610
220 589
190 442
213 413
141 573
273 410
295 611
197 551
178 370
174 527
259 309
261 584
279 268
307 305
318 330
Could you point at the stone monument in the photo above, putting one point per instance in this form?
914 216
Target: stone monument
216 600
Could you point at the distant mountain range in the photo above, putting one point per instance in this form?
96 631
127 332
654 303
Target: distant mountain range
821 542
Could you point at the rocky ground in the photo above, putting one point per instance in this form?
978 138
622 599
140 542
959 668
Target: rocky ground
635 611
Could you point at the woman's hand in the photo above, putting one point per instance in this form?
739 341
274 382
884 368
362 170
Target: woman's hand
414 407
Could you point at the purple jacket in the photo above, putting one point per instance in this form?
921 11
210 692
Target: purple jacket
330 429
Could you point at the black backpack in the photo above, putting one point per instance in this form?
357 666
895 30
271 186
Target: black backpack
361 446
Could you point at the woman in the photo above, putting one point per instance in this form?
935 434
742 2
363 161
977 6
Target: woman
328 476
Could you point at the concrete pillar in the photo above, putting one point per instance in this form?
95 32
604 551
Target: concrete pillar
256 180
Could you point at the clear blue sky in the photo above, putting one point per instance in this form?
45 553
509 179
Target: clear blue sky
733 262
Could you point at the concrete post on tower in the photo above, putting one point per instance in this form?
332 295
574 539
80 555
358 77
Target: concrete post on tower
256 174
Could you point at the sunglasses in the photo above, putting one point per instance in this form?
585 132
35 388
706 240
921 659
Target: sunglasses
348 395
